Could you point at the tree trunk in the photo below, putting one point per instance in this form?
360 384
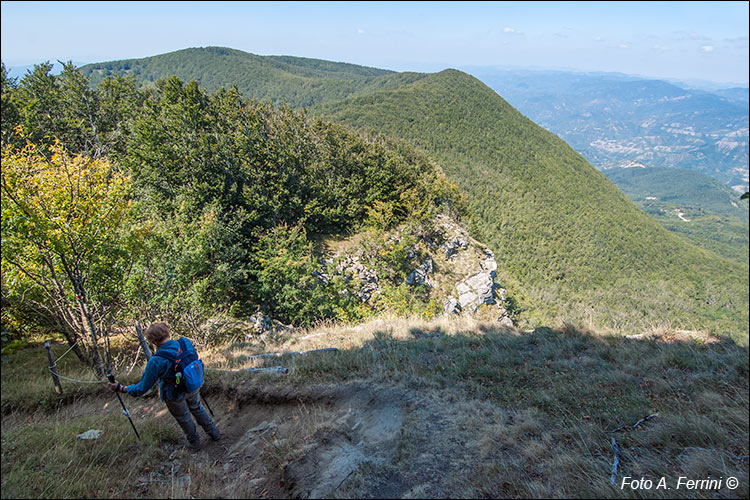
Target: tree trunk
88 324
73 342
91 331
53 368
89 327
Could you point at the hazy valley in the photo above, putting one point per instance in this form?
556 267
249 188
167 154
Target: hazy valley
619 120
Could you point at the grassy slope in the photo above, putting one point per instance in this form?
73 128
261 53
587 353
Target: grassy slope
681 187
557 225
525 412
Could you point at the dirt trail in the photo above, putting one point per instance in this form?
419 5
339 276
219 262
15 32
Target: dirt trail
357 440
306 444
344 440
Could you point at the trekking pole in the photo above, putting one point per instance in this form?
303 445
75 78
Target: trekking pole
207 406
125 411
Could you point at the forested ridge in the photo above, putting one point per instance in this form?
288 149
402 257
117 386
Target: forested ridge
289 80
573 243
303 82
569 244
688 202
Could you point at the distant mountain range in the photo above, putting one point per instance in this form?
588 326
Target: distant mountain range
616 120
20 71
568 243
736 94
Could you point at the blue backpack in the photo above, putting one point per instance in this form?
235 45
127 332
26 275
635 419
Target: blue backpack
187 370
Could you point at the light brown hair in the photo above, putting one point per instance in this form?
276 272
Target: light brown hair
157 332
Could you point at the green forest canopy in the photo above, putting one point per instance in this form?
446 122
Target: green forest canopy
569 244
228 194
573 244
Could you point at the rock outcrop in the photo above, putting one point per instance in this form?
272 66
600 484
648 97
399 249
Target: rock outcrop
444 263
350 266
470 269
263 327
458 271
421 275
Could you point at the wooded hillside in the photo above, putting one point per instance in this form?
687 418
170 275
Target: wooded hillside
573 243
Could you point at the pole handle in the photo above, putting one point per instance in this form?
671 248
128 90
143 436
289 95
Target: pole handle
125 411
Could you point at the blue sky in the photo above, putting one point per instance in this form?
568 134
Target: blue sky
683 40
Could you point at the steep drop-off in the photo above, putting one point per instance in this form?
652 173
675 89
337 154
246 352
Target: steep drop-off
575 244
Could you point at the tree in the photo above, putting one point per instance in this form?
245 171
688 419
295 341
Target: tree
62 107
66 243
10 117
38 101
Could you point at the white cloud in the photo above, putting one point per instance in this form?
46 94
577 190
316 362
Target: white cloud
623 45
360 31
707 48
597 39
512 31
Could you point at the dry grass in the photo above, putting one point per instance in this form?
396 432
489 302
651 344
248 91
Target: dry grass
491 412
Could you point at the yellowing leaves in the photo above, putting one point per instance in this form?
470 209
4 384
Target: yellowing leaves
68 205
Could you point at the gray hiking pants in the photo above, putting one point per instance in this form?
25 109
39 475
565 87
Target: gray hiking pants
181 411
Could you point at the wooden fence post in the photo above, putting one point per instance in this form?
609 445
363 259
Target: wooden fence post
142 340
53 368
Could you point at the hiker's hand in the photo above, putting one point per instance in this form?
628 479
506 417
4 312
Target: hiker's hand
115 386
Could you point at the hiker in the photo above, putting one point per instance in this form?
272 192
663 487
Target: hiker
161 367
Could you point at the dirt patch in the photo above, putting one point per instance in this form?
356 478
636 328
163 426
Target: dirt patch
441 444
363 425
350 440
306 443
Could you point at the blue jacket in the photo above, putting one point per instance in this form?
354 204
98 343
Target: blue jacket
156 369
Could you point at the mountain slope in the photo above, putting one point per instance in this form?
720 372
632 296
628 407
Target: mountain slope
735 94
295 80
568 243
612 119
689 203
555 223
679 186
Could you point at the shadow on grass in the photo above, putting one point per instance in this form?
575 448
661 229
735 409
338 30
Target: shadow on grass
563 391
564 373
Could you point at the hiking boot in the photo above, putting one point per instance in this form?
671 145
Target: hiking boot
193 446
215 436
